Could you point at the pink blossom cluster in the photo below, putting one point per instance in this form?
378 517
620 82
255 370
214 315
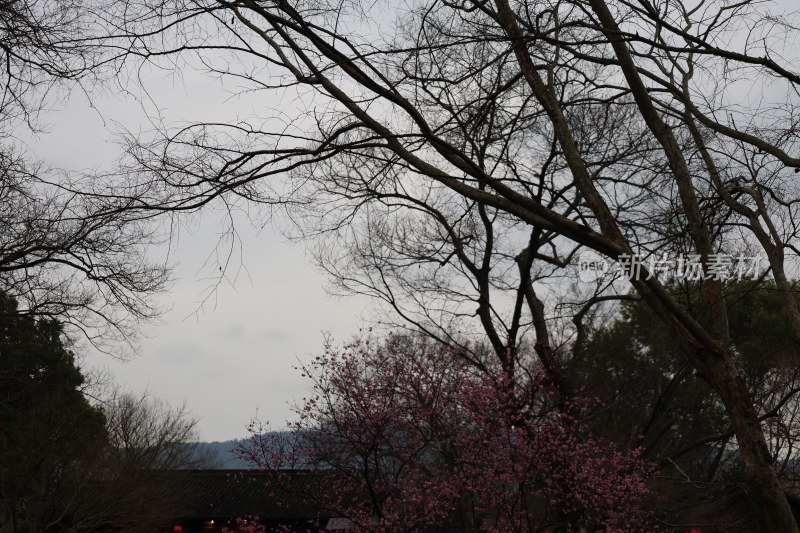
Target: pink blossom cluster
412 437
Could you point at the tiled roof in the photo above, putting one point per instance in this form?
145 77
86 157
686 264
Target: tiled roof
239 493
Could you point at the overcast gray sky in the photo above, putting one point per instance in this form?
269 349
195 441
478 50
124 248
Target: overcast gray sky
234 355
231 358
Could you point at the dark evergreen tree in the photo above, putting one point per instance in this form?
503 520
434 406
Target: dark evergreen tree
47 426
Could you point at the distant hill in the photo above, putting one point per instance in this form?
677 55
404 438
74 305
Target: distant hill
220 455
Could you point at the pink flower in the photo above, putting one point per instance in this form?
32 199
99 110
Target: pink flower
414 437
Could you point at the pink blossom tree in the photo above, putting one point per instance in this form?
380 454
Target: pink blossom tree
413 437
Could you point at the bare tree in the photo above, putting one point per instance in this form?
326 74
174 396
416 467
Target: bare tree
128 486
615 126
42 45
63 253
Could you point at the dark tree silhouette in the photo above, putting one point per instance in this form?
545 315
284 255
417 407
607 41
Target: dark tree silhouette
63 254
70 465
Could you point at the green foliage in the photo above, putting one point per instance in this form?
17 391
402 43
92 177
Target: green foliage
66 465
760 333
635 366
654 398
46 424
635 360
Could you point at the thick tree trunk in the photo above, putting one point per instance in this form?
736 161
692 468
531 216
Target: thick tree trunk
713 361
763 485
